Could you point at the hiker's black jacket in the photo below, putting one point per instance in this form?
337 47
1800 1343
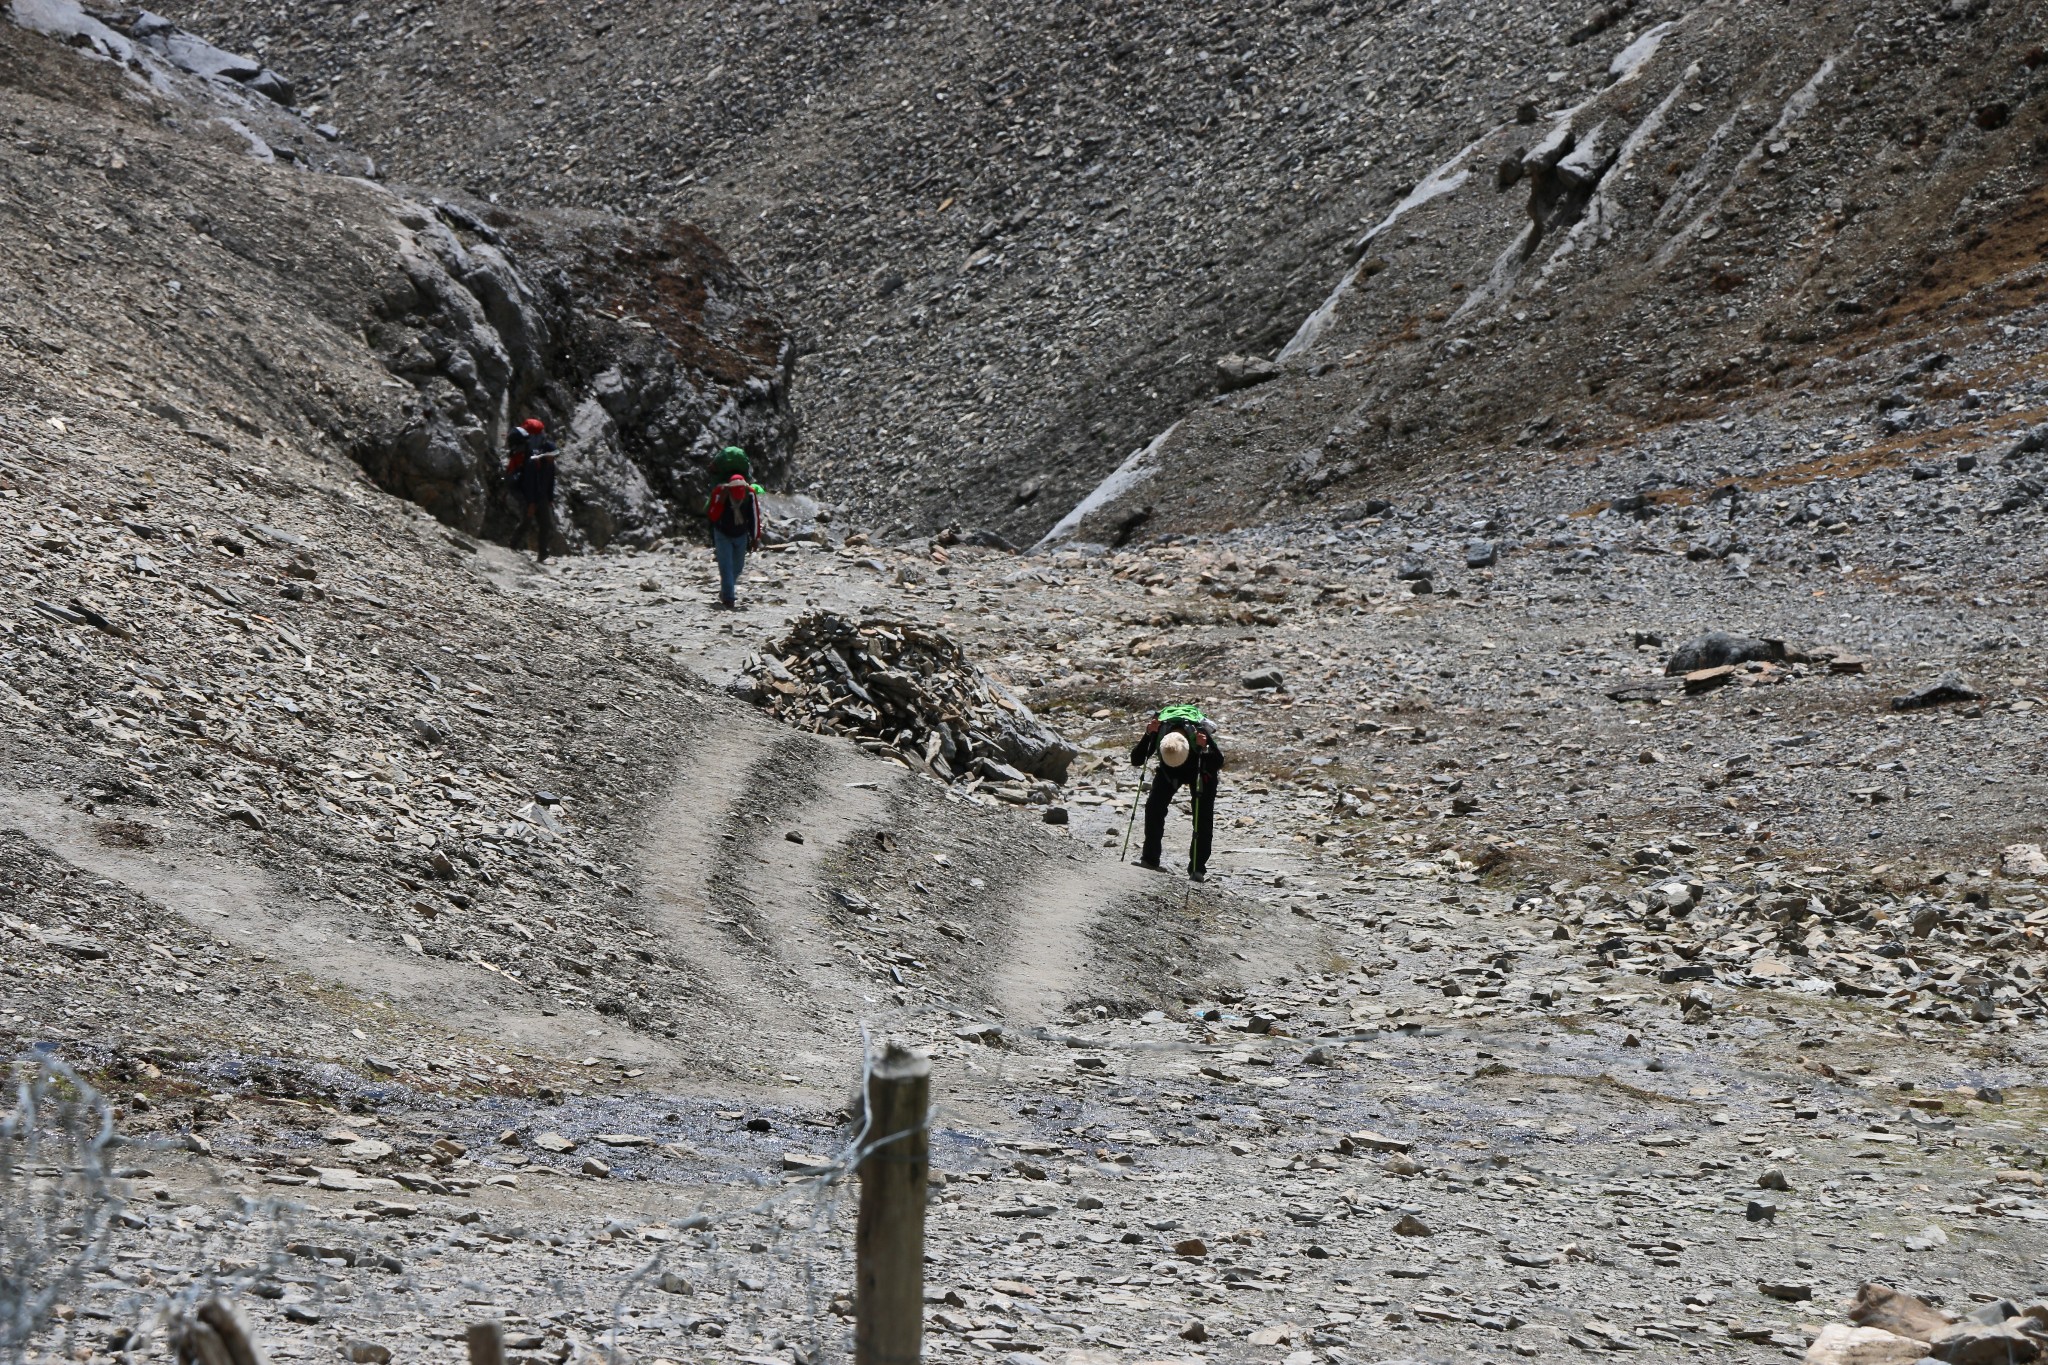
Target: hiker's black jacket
535 481
1209 755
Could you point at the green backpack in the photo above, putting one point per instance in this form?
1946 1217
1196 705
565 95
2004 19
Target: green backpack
1192 715
730 461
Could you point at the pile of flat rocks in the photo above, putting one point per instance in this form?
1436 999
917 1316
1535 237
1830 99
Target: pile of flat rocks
906 690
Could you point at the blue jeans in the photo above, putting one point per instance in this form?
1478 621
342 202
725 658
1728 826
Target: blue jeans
732 557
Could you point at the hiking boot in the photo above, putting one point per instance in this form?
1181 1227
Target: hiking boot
1200 874
1152 866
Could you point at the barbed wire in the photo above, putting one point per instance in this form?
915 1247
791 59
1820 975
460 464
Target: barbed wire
57 1202
66 1207
822 1189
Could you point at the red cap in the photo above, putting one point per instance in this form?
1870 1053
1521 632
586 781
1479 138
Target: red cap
532 426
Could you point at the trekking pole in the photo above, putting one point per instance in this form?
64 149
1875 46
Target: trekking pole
1131 824
1195 809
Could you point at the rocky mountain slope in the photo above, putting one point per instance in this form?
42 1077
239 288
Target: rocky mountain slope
263 306
453 940
1022 242
245 682
1801 216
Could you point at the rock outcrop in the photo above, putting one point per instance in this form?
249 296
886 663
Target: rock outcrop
403 330
641 346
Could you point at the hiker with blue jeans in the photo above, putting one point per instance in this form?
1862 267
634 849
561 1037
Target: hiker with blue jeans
734 511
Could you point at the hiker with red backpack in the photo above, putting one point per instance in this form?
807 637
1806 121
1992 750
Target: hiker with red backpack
737 523
530 469
1185 741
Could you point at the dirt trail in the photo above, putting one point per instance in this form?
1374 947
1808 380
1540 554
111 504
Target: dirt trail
677 616
1052 959
747 905
744 904
1049 959
735 894
240 903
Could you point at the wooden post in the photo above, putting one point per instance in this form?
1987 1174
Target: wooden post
486 1344
888 1290
215 1334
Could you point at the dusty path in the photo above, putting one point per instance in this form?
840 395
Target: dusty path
663 599
236 901
728 887
1049 958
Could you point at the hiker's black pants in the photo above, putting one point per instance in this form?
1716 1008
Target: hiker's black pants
541 517
1165 782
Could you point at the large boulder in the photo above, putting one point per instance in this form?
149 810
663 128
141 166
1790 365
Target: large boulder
1234 372
1032 747
191 53
1947 688
2023 860
2011 1342
2033 440
1894 1310
1841 1344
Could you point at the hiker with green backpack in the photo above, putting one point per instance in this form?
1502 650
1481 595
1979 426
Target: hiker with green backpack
1185 741
737 522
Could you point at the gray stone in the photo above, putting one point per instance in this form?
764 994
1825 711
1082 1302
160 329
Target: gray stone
1978 1343
2036 439
1841 1344
1024 1211
1718 649
1234 372
1537 1341
1949 687
270 85
201 58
